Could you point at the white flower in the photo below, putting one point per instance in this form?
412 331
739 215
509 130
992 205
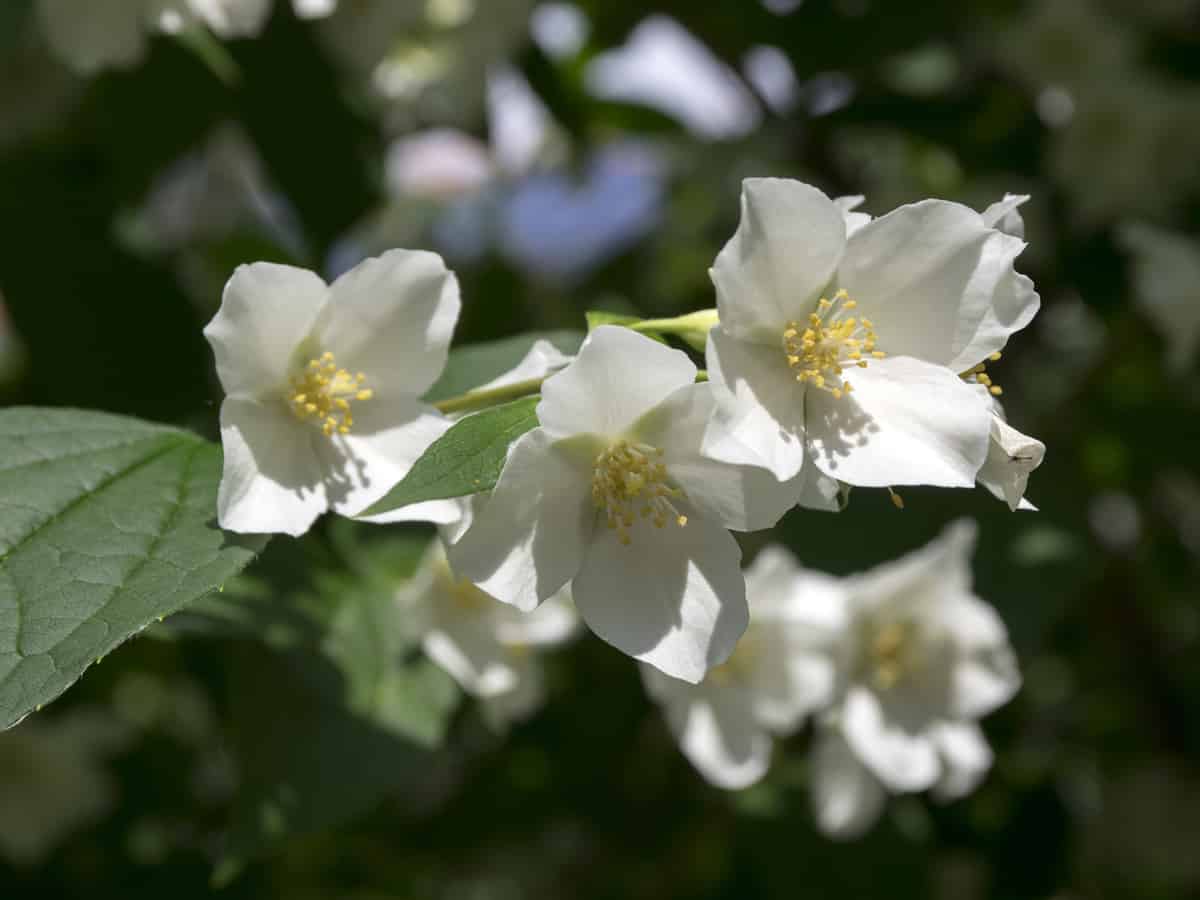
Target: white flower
846 351
612 494
322 385
489 648
924 658
90 35
780 672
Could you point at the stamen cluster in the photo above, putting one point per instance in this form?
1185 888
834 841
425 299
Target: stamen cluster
829 344
323 393
893 653
978 375
629 480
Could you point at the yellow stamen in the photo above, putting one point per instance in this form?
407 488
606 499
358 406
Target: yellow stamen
322 392
830 342
629 480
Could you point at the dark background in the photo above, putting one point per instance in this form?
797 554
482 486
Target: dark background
224 743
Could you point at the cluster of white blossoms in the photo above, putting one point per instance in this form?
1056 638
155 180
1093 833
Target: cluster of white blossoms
91 35
896 664
844 351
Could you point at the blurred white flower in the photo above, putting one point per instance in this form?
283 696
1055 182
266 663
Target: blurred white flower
90 35
664 67
1166 283
612 494
923 659
322 385
843 355
781 671
490 648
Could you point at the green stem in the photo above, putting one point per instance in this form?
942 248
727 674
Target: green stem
492 397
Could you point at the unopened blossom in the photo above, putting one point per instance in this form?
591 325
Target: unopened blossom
843 343
490 648
923 660
322 386
781 671
612 495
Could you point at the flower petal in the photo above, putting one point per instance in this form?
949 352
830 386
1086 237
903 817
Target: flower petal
467 649
759 417
904 761
847 798
266 313
392 318
674 597
1012 456
986 676
719 736
938 284
529 539
542 359
783 255
744 498
390 433
527 695
554 622
618 376
273 481
907 422
966 758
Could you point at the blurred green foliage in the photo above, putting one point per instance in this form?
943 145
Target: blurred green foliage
287 737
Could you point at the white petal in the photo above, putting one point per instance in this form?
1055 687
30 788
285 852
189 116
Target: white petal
314 9
232 18
719 736
266 314
542 359
986 676
525 698
854 220
966 758
390 433
93 35
907 422
273 481
816 490
759 419
938 284
1011 457
554 622
744 498
931 580
783 255
529 539
902 760
618 376
392 317
467 649
847 798
673 598
1004 215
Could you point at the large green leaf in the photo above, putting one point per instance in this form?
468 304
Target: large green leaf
106 525
467 459
476 364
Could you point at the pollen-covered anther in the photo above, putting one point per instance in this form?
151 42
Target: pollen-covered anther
894 653
977 374
629 481
831 341
323 393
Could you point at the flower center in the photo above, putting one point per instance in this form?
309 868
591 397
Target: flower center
740 663
629 481
978 375
322 392
830 343
894 652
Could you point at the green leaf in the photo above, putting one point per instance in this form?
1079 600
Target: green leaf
476 364
597 317
106 525
465 460
15 15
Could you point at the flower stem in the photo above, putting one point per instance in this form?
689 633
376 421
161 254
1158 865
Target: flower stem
472 400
